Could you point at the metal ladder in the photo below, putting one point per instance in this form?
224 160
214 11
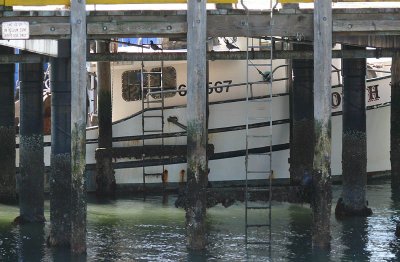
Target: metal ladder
152 119
258 162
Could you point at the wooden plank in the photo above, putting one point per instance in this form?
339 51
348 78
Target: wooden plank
322 196
365 25
155 1
136 28
78 125
338 1
231 23
35 2
111 2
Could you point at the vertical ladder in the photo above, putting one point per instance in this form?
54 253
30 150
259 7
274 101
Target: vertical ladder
152 119
258 162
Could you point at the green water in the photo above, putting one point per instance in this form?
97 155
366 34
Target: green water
153 230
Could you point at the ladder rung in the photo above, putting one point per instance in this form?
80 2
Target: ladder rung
152 174
259 225
151 116
259 118
259 46
260 154
251 189
258 242
265 136
149 73
260 100
152 87
258 172
253 207
252 64
152 131
153 101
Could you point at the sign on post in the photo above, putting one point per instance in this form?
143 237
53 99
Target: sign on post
15 30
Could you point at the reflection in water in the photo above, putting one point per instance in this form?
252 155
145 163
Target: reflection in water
154 230
106 230
31 239
395 217
299 231
355 238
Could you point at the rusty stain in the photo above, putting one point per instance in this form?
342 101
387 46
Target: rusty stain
164 177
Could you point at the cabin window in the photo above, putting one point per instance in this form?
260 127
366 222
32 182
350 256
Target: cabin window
131 86
169 80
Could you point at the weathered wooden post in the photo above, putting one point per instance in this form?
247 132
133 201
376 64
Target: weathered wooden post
7 131
31 153
395 121
322 194
60 177
196 125
105 178
302 112
354 141
78 125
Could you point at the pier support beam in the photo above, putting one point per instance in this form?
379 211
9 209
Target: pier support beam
7 131
354 141
302 111
395 122
31 153
78 125
322 197
105 179
196 126
60 177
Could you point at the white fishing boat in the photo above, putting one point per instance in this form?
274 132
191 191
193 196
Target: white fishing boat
149 122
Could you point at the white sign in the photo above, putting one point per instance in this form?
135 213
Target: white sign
15 30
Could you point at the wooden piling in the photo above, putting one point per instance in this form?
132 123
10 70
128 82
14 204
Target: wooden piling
31 153
354 140
60 177
395 122
196 126
78 125
322 194
105 179
7 131
302 112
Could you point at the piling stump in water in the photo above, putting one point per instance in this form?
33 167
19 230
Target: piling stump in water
301 144
60 177
354 139
105 179
7 131
31 175
395 122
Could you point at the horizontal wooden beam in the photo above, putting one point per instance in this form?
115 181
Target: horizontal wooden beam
220 23
239 55
110 2
212 56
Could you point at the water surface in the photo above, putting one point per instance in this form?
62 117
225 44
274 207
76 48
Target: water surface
152 229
